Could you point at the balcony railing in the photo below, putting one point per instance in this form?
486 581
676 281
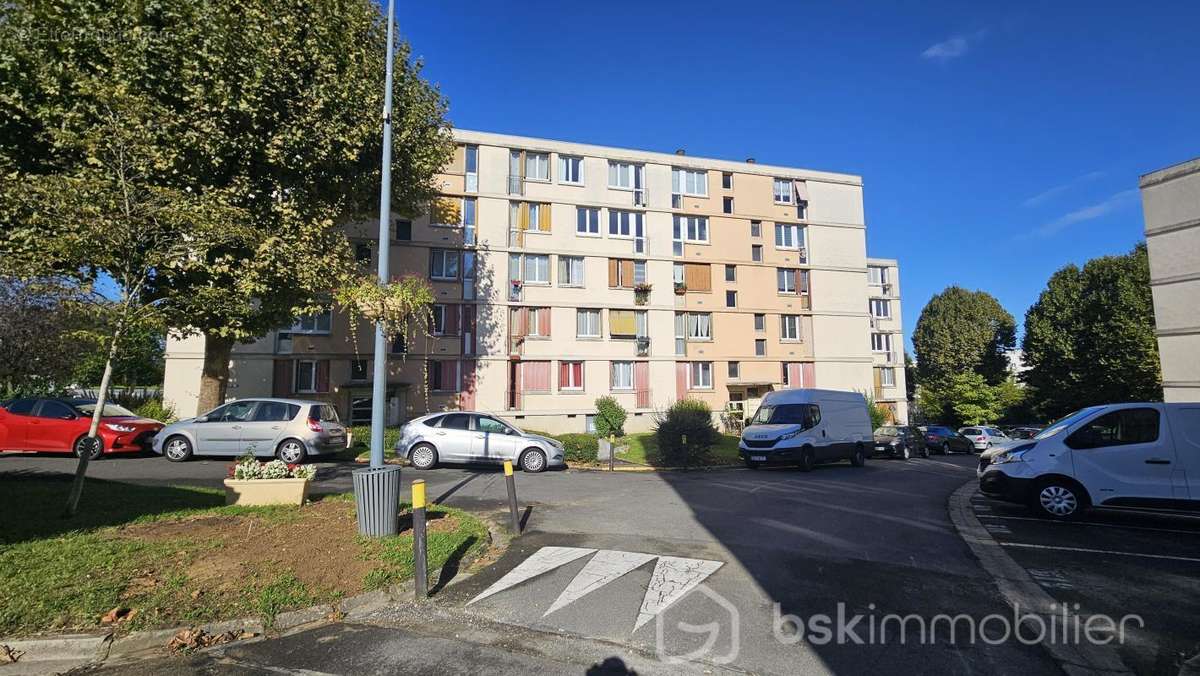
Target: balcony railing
515 288
642 398
512 400
639 197
643 346
676 201
516 238
516 346
516 185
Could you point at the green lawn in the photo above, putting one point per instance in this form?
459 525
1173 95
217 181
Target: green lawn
360 448
152 550
643 449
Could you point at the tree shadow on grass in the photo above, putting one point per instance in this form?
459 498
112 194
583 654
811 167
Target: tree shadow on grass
31 504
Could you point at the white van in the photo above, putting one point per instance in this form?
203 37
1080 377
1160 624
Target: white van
1118 455
803 427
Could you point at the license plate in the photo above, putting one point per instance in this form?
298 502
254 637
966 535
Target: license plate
758 458
881 448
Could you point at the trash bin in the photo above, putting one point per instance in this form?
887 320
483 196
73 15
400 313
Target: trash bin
377 499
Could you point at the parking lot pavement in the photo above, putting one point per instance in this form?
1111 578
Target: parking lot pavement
1115 563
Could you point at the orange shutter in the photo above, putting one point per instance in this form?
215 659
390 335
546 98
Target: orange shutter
698 276
614 273
627 273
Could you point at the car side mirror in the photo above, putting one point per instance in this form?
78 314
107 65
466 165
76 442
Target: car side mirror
201 418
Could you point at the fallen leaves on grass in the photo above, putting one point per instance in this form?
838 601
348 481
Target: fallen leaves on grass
117 615
8 655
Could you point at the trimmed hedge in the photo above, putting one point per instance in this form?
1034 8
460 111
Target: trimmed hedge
580 447
610 418
685 432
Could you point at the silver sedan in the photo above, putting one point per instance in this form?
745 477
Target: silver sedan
475 437
289 429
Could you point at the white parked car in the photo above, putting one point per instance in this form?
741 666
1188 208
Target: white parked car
475 437
1118 455
984 437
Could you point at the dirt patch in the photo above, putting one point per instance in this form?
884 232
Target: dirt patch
233 549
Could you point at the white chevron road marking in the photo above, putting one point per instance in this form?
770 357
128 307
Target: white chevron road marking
607 565
542 561
672 579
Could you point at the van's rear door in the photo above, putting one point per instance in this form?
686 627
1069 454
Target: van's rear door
1185 428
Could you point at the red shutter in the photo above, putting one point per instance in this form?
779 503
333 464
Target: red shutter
543 316
641 383
322 375
467 399
281 384
808 373
564 374
450 375
450 327
681 379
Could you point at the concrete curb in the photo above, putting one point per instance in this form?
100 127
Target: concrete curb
1020 591
644 469
54 654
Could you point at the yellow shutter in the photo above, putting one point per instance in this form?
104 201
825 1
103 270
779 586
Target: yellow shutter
622 323
544 217
523 216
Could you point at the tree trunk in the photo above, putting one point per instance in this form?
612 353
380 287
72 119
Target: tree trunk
214 379
94 428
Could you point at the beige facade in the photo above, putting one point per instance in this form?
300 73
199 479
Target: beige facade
540 254
1171 204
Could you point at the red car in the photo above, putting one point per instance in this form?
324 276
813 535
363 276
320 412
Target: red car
61 425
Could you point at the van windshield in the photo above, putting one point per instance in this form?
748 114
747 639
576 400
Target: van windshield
1063 423
805 415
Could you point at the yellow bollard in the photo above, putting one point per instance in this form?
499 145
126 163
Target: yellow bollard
512 496
420 556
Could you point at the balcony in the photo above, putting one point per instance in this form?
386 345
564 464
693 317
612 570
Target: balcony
516 238
676 201
639 197
516 346
642 398
643 346
516 185
515 288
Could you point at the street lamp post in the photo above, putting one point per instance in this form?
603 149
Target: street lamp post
379 385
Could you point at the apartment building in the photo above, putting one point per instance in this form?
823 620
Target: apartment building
564 272
1171 205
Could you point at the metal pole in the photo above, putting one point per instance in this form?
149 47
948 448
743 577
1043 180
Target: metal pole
420 557
379 385
512 496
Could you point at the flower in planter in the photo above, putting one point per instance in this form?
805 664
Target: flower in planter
644 287
249 468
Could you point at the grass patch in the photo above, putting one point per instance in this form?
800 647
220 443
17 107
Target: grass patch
643 449
177 555
360 448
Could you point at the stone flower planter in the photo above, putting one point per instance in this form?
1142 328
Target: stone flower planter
266 491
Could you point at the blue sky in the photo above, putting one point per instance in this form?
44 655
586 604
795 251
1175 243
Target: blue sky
996 143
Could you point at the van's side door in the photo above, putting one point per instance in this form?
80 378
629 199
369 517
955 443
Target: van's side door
1185 430
1124 456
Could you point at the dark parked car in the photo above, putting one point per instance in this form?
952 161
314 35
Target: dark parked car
1024 432
945 440
900 441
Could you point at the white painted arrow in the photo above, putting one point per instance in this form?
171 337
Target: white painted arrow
544 560
607 565
672 579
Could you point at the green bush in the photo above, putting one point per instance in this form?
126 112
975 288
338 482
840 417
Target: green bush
154 409
610 417
580 447
685 432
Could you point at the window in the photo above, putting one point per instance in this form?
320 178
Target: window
587 323
56 410
624 223
318 323
727 205
362 252
804 282
468 220
783 191
306 376
539 217
275 411
756 228
471 166
760 321
727 180
587 221
623 273
443 264
359 370
439 319
537 167
620 175
697 276
456 421
570 169
622 375
403 230
731 273
699 326
731 299
789 327
881 342
677 273
785 280
570 270
537 322
537 269
625 323
789 236
734 370
639 272
887 377
760 347
490 425
881 308
238 411
1118 428
443 377
570 375
756 253
876 275
692 228
689 182
700 375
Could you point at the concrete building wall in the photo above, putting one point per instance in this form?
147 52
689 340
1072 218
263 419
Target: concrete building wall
1171 206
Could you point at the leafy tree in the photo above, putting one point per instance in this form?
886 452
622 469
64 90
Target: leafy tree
38 351
610 417
1089 339
270 107
685 432
879 416
139 361
910 378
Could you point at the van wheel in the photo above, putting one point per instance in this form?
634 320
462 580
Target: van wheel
925 452
859 458
1059 499
808 459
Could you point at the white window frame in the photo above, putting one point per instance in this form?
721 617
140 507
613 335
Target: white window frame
677 273
887 377
792 234
615 170
626 223
587 312
784 191
439 319
690 182
623 368
881 304
694 229
568 166
781 285
590 224
789 328
471 178
881 342
532 323
311 366
700 328
525 272
877 275
537 161
569 386
446 255
311 324
700 375
568 264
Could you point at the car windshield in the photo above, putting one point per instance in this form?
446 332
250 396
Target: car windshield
110 410
782 414
887 431
1063 423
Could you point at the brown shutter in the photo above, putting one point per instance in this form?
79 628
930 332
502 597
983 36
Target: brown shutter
281 385
627 274
613 272
322 375
698 276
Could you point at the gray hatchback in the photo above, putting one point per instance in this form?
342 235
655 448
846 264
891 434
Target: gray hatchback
475 437
289 429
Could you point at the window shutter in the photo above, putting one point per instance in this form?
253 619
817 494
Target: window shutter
544 218
564 374
681 379
450 325
697 277
613 272
627 273
808 372
322 375
519 319
450 375
281 385
543 316
622 323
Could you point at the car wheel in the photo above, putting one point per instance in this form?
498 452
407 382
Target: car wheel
291 451
423 456
859 458
94 450
533 461
924 451
907 453
946 448
1059 499
808 459
177 449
